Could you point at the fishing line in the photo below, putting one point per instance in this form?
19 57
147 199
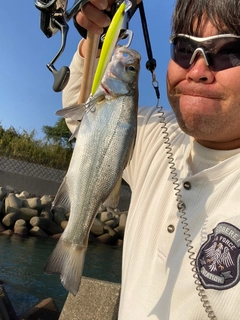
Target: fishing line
151 65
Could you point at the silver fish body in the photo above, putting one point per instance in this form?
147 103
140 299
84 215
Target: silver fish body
103 148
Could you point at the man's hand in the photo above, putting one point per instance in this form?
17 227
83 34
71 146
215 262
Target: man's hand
92 17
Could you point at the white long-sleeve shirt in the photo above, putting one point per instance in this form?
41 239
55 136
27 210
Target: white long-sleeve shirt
157 276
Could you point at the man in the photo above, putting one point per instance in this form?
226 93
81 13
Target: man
181 258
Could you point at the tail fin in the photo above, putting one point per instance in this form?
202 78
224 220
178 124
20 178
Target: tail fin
68 260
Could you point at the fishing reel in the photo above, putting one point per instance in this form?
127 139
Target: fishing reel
54 17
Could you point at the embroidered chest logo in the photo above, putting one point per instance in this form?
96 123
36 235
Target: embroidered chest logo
218 260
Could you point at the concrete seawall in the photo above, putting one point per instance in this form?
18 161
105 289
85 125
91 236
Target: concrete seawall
96 300
21 175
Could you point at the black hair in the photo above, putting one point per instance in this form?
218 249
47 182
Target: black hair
223 14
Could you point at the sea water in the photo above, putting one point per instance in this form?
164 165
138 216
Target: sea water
22 261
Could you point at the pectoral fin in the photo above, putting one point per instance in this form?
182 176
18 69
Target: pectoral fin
77 111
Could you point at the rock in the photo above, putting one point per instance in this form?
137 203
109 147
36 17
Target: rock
23 213
20 222
64 224
9 209
10 219
56 235
2 228
33 203
24 195
6 309
36 231
123 219
3 193
105 238
45 220
59 217
3 311
8 232
67 215
114 211
92 239
120 231
119 242
47 214
117 215
12 202
61 210
97 228
46 203
113 223
111 232
1 207
21 231
46 309
105 216
46 225
20 227
27 213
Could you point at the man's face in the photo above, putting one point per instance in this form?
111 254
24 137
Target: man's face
206 103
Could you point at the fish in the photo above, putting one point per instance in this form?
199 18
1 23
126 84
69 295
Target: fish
104 144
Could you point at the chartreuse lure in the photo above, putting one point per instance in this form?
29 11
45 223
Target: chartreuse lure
109 44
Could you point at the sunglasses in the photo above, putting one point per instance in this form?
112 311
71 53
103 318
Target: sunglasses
220 52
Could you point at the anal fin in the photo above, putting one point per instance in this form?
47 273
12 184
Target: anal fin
62 197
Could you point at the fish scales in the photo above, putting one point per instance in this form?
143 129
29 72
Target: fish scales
95 151
103 148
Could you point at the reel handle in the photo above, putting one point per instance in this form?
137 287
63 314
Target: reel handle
61 77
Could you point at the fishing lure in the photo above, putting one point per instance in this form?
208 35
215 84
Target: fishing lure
110 41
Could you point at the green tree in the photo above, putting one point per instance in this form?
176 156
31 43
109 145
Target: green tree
59 133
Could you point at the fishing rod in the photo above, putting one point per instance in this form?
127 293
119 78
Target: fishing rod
55 16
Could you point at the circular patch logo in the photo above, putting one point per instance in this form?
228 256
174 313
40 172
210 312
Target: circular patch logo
218 260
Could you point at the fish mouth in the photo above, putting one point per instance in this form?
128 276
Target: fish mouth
105 89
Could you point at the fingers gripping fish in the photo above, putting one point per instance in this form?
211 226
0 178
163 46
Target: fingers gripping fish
105 140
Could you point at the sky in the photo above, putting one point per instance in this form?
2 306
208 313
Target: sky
27 100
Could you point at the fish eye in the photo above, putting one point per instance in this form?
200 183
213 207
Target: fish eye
131 68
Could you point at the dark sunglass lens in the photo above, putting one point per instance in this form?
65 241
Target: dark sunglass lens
227 56
181 51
